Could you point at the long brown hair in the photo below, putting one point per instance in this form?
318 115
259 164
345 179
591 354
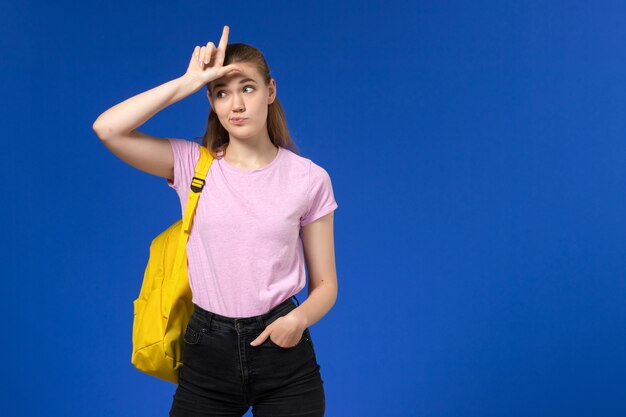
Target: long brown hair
216 136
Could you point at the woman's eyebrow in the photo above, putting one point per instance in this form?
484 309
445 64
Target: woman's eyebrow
245 80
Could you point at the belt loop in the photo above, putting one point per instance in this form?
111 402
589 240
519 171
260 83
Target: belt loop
209 320
264 318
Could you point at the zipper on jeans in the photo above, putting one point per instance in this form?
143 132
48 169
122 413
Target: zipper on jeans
237 328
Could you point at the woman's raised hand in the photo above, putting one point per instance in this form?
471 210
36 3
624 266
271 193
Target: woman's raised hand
206 63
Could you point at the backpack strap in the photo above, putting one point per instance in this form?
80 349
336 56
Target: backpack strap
197 184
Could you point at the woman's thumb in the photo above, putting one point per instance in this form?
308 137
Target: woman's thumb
230 69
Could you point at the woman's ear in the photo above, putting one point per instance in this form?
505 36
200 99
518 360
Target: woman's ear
208 96
272 91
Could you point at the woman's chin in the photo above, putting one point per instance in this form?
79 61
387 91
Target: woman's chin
244 133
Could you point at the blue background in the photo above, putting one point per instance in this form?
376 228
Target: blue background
476 151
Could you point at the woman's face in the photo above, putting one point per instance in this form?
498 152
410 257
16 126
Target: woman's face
242 95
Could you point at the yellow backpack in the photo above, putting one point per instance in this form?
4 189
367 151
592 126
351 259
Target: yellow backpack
164 306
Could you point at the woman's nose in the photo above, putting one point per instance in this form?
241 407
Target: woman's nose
238 103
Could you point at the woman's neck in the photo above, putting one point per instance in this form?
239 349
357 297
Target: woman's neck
248 155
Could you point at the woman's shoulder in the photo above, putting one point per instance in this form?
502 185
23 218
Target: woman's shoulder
305 163
185 145
295 160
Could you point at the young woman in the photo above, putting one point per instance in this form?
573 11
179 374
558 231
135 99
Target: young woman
263 211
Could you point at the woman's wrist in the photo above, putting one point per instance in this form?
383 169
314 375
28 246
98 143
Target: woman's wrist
191 82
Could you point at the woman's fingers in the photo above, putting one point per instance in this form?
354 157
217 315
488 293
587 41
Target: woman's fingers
196 53
221 48
224 38
201 55
206 53
210 51
210 54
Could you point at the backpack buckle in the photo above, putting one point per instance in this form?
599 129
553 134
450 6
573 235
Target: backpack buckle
197 184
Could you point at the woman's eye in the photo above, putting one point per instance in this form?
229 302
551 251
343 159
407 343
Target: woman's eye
222 91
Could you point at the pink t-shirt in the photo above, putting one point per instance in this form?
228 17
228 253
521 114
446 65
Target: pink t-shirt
245 252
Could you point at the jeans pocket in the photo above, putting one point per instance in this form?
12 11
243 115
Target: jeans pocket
308 339
304 339
311 345
191 337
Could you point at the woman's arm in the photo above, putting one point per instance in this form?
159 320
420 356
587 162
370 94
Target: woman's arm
128 115
205 65
117 126
319 252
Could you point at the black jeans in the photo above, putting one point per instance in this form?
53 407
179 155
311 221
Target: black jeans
223 375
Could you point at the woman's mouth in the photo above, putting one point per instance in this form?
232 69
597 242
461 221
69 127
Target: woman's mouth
238 121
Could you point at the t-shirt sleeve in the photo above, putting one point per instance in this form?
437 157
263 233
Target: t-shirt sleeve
321 199
186 154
